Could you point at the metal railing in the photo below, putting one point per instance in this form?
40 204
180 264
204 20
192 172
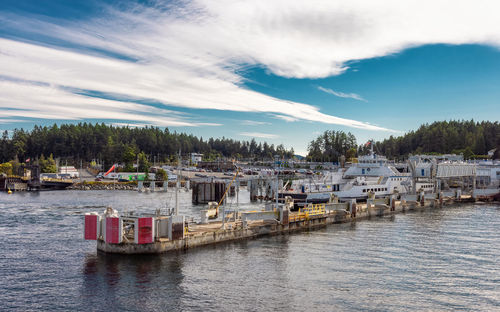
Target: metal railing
309 211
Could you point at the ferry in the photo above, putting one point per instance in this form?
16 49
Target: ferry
372 173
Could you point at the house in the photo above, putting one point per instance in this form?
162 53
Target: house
69 171
196 158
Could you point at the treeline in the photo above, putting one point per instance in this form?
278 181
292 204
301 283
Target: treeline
472 139
86 141
330 145
444 137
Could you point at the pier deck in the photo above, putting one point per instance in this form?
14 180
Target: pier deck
212 233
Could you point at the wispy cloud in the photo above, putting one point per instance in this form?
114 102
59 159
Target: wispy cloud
285 118
191 56
342 94
47 102
254 123
259 135
9 121
167 59
131 125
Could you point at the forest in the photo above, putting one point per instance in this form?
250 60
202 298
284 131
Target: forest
111 144
467 137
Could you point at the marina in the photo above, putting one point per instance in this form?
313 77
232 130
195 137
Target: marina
159 234
347 197
249 156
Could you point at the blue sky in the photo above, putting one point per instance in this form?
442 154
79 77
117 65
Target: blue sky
280 71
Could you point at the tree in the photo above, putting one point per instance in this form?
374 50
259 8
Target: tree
496 154
144 164
47 165
468 154
6 168
161 175
351 153
330 145
128 157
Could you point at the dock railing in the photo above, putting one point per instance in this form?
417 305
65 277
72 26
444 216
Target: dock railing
312 210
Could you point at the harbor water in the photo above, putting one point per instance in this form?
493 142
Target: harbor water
434 259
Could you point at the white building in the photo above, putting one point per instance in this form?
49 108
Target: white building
69 171
196 158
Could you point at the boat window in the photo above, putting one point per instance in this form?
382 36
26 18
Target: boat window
364 190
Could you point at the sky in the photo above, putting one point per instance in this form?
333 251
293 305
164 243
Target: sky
277 71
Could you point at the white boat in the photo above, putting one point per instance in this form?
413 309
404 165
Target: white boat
372 173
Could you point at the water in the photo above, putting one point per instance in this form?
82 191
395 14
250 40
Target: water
444 259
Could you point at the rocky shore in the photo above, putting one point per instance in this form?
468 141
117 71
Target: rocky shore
93 186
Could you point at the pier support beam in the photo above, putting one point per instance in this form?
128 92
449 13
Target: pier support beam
392 202
176 227
352 208
421 198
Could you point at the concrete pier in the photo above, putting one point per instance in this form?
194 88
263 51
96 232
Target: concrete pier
280 221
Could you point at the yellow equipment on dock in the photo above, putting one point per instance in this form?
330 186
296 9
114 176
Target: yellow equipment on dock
312 210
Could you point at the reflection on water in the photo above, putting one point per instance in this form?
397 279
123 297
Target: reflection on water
126 283
436 259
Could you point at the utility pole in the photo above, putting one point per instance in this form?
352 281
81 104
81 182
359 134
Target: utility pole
177 184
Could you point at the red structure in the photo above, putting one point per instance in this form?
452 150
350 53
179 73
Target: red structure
113 230
144 230
91 229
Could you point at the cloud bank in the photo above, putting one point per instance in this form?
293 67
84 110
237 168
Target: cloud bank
191 54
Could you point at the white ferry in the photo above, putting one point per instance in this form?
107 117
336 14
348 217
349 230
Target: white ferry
372 173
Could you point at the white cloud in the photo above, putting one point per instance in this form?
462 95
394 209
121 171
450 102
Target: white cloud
254 123
259 135
8 121
47 102
342 94
130 125
190 56
285 118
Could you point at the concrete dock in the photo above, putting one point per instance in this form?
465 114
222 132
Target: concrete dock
280 221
